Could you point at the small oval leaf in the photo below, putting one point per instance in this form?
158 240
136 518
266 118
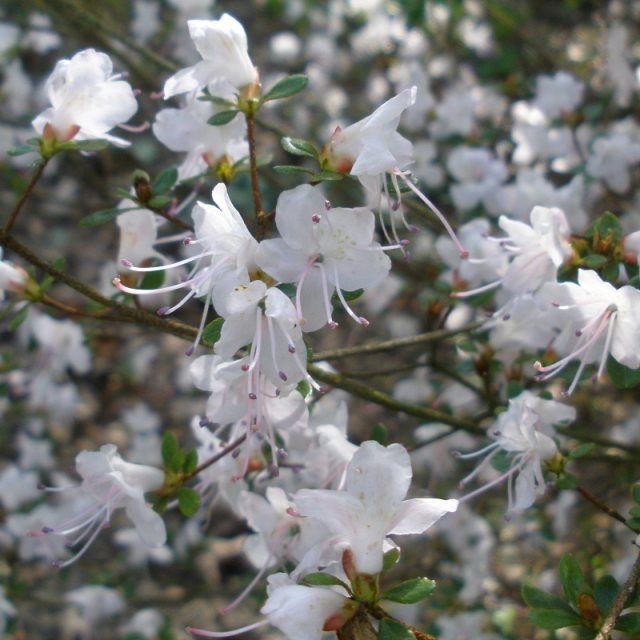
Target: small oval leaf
188 501
411 591
164 181
299 147
286 87
222 118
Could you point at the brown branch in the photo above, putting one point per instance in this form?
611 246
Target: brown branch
261 217
385 400
388 345
218 456
620 602
13 216
616 515
131 314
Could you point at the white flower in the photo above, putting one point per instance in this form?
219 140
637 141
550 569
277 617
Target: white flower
537 251
599 320
146 623
372 505
300 612
520 431
223 46
322 250
373 146
225 259
186 129
479 177
558 94
610 159
87 100
109 483
96 603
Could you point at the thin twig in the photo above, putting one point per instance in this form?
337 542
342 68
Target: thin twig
255 184
389 345
13 216
616 515
620 602
218 456
139 316
384 400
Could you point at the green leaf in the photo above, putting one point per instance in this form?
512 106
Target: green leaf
190 461
607 224
537 599
303 388
411 591
21 149
83 145
629 622
153 280
635 492
621 376
19 318
390 559
289 169
572 578
217 100
299 147
606 590
380 434
161 504
351 295
104 215
514 388
593 261
327 176
157 202
286 87
582 450
554 618
222 118
164 181
289 290
212 331
188 501
321 579
171 452
567 481
392 630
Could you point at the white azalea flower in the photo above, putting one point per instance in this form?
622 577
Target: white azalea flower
110 483
523 431
87 100
372 505
600 320
225 59
322 250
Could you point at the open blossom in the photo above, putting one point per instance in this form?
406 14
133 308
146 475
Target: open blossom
611 158
372 146
301 612
523 432
222 45
225 259
600 320
323 250
479 176
536 253
87 100
109 483
558 94
187 130
371 506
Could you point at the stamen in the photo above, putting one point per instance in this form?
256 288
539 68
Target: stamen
202 633
463 252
